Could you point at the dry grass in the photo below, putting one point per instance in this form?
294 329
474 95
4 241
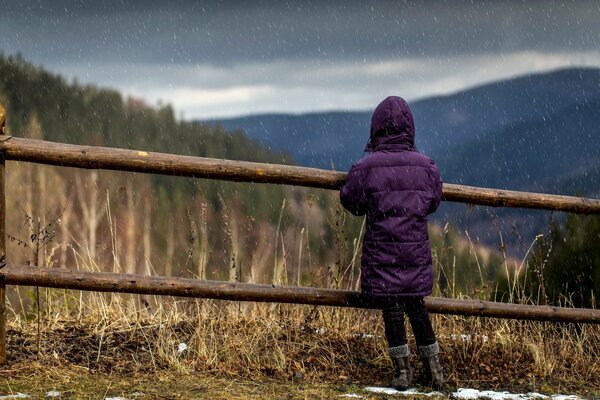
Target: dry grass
169 385
93 345
118 337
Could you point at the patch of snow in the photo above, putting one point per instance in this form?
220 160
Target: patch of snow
116 398
565 397
382 390
463 337
467 338
16 396
181 348
408 392
351 395
474 394
53 393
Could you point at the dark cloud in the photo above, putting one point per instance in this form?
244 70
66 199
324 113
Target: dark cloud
236 57
190 32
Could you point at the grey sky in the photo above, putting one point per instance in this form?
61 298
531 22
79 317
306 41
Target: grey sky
231 58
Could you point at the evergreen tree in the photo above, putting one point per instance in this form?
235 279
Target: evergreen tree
563 269
572 273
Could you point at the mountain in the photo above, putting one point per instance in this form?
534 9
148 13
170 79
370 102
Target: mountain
444 123
558 153
472 114
538 132
325 140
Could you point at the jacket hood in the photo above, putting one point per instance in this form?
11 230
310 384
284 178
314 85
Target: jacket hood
392 122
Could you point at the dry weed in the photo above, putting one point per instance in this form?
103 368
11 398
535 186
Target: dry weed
119 334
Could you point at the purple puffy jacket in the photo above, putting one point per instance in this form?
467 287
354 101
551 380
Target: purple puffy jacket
397 187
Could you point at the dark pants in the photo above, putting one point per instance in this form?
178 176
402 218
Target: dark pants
393 318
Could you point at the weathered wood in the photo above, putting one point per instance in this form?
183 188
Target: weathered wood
91 157
2 256
186 287
517 199
95 157
2 119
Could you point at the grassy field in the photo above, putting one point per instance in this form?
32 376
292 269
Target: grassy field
170 385
103 345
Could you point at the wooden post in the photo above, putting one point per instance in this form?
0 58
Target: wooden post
2 248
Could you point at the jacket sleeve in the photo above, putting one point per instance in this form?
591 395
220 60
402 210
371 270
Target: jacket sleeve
436 197
353 193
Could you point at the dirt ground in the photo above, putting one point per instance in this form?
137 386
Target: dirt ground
168 385
41 382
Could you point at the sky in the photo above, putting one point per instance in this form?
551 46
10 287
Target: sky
211 59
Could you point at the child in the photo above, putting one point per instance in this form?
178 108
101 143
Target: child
397 187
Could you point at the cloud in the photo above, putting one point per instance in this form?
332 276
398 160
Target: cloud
206 91
229 32
227 58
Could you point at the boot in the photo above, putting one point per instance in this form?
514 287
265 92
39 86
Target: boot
431 365
402 371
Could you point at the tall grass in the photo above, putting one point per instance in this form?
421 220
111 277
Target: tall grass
129 333
121 334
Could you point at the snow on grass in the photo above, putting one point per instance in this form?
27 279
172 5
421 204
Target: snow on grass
565 397
54 394
181 348
408 392
366 335
460 394
474 394
134 395
467 338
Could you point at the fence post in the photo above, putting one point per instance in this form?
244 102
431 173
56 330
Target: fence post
2 247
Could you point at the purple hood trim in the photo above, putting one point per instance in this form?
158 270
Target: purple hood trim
392 123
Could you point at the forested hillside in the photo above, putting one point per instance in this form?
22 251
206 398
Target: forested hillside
142 223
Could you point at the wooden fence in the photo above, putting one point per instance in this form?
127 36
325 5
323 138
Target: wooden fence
90 157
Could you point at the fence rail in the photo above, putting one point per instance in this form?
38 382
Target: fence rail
90 157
